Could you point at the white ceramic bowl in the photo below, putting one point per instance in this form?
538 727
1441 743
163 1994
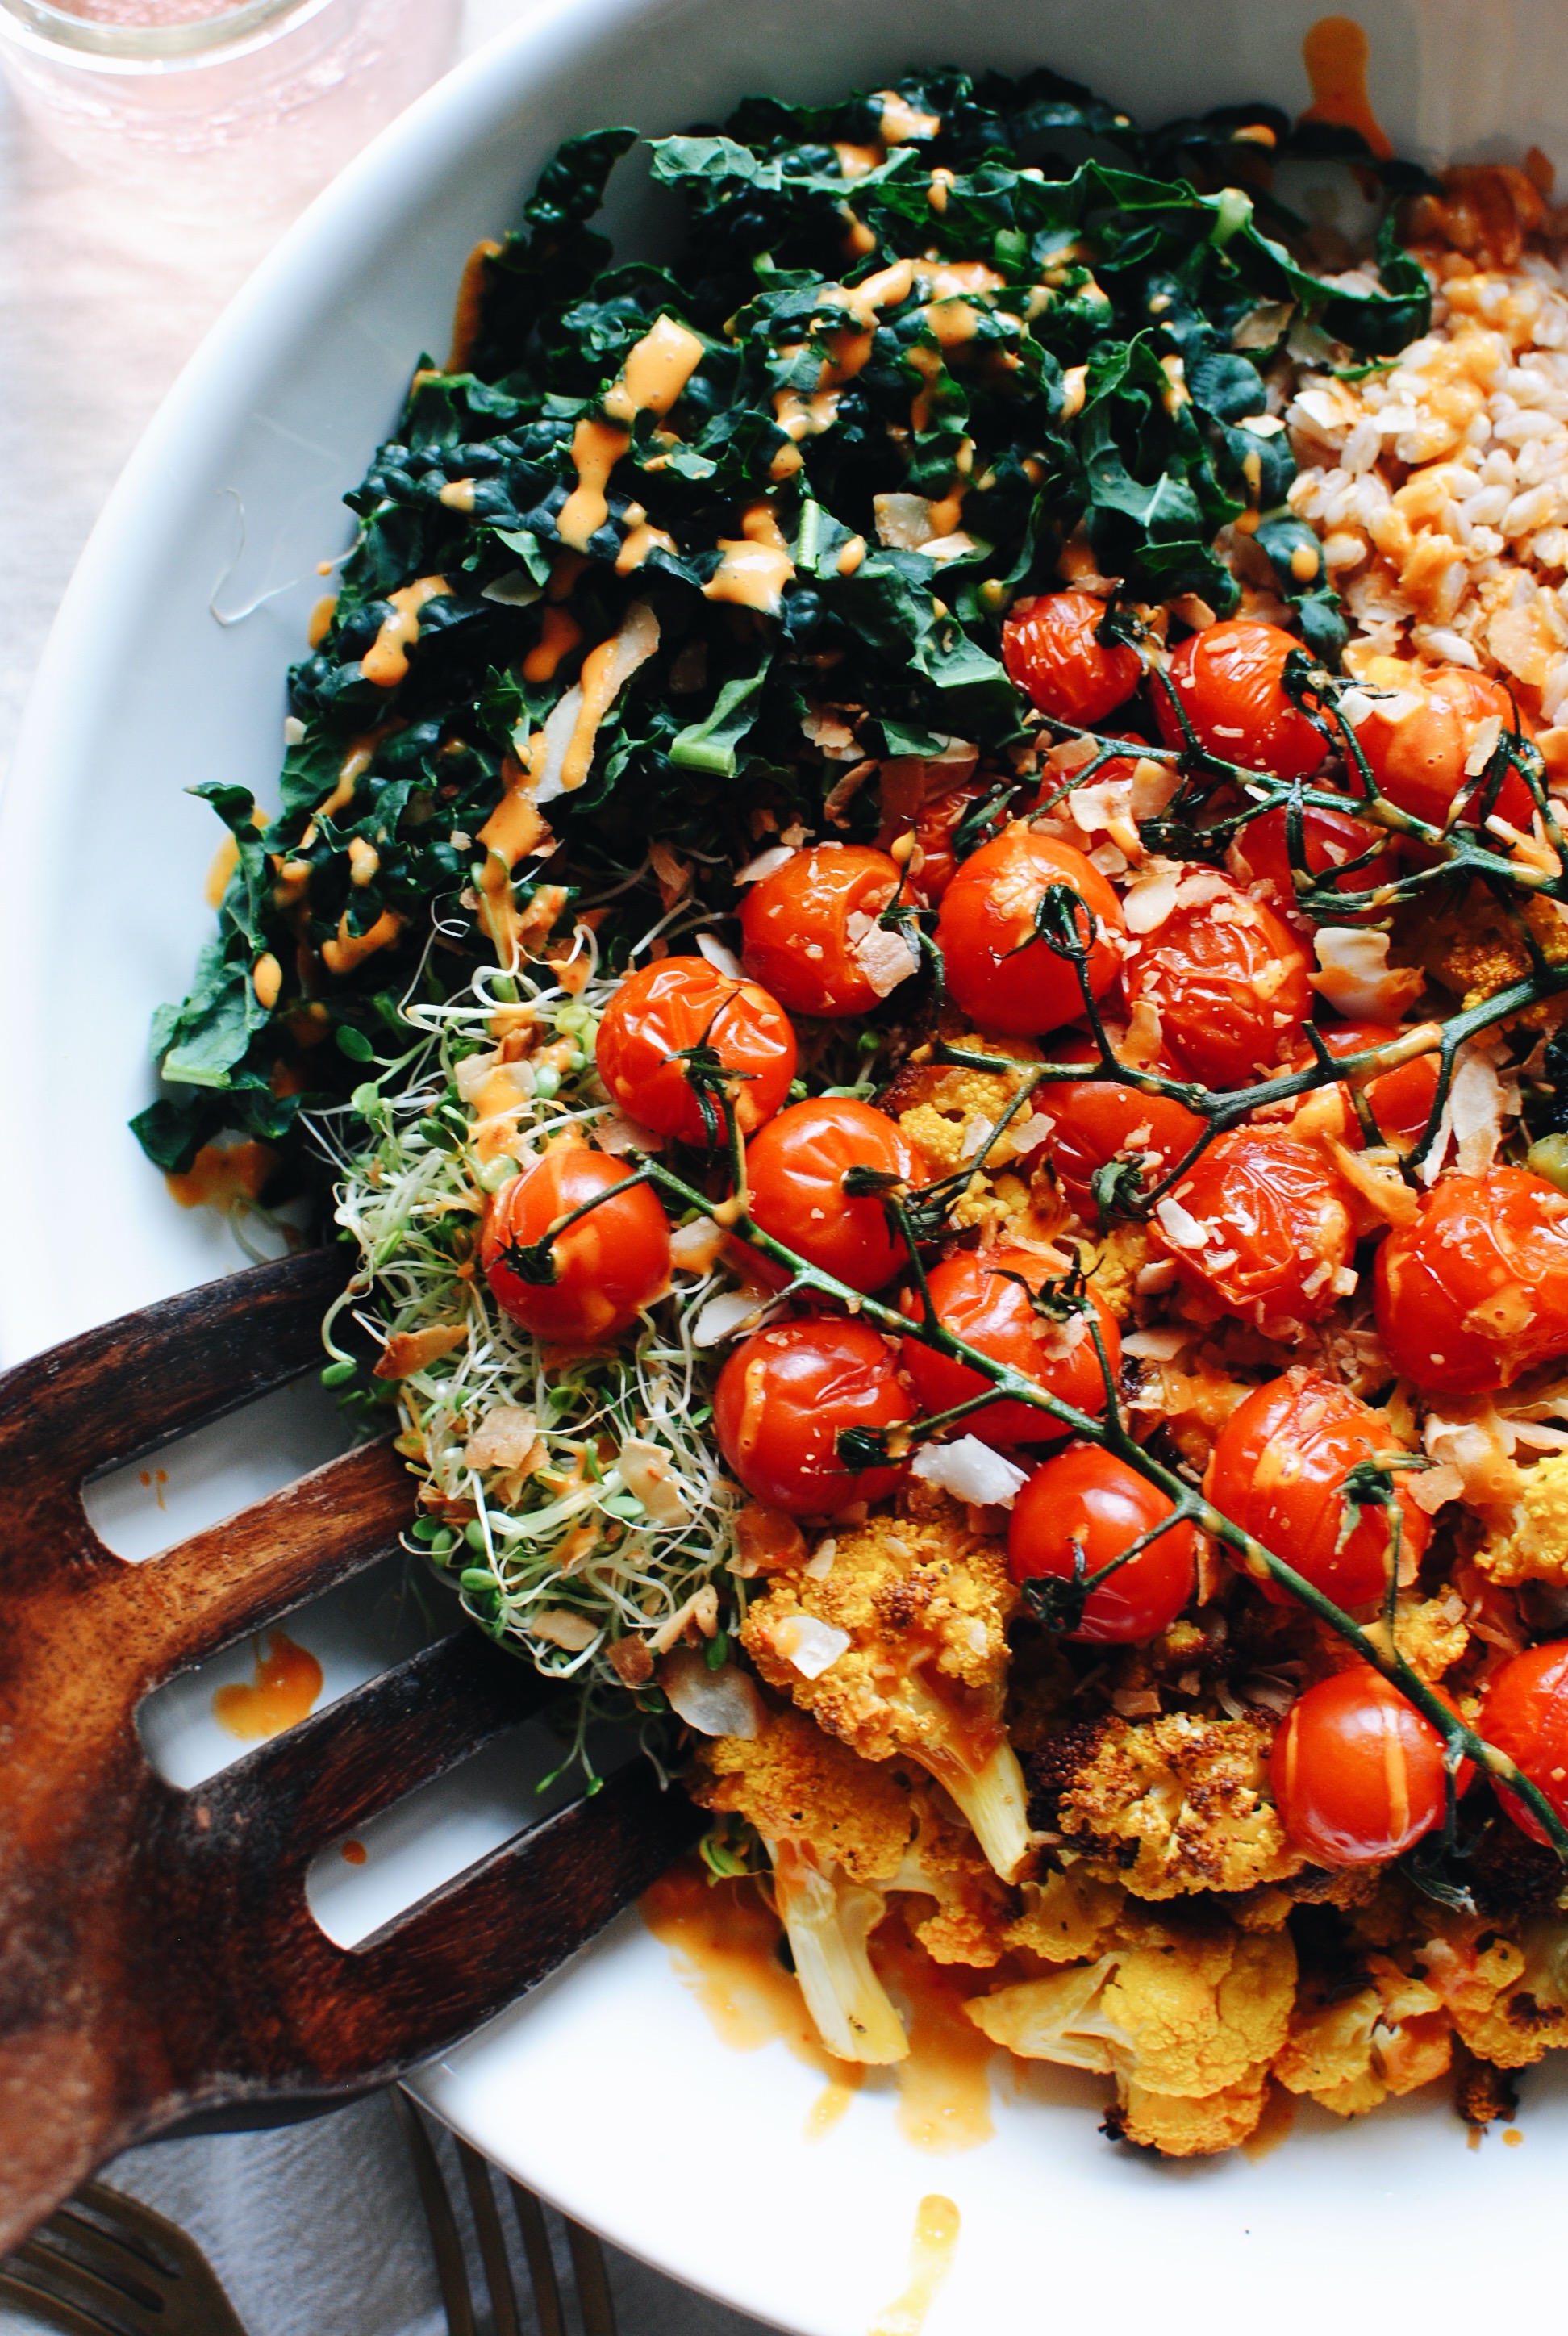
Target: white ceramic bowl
608 2090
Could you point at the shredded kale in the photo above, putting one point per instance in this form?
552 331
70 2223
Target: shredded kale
1124 294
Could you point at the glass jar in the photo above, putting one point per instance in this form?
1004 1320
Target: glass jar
255 106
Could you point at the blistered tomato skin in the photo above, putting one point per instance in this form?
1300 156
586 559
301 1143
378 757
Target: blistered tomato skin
1001 977
1400 1100
1357 1772
795 1171
795 928
1089 1496
1417 758
1476 1292
609 1266
1050 649
683 1002
1229 979
1279 1469
1524 1713
1093 1121
977 1296
1260 1225
1259 857
1227 682
784 1396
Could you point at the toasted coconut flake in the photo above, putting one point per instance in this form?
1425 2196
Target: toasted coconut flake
810 1646
564 1628
718 955
723 1702
647 1474
506 1437
970 1471
1357 978
413 1350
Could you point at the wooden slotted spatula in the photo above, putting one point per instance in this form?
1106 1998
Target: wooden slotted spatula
158 1960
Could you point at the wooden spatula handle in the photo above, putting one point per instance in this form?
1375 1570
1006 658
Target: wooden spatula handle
158 1958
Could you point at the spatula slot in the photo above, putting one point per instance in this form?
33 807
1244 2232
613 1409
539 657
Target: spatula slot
365 1881
354 1632
146 1506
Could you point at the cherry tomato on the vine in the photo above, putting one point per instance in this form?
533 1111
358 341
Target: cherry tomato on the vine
1002 977
1093 1121
1051 649
784 1397
977 1297
795 1171
1476 1292
1357 1772
1259 857
608 1266
1260 1225
1229 979
1418 739
1400 1100
1524 1713
802 925
1227 682
1088 1495
1279 1470
682 1002
935 861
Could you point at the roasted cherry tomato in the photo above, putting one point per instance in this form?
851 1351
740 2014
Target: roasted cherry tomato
1401 1099
977 1295
1004 980
1228 979
1227 682
1093 1121
1259 1224
682 1002
1279 1470
796 1170
1259 857
786 1394
1089 1496
1051 649
1476 1292
1524 1713
1355 1772
934 861
1418 741
802 928
608 1266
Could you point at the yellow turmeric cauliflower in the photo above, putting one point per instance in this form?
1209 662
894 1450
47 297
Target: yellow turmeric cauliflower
1475 948
1349 2052
1431 1633
974 1908
1066 1916
1191 1797
795 1784
901 1647
1188 2021
947 1111
1508 2000
1535 1546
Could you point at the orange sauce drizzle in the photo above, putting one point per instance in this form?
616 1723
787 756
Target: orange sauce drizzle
286 1683
225 861
155 1480
1335 51
932 2255
560 636
219 1176
385 661
353 1853
596 449
470 301
724 1942
1273 2127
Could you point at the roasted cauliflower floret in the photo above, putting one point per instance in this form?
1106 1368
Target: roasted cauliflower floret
1535 1546
795 1784
1179 2017
1066 1916
1169 1806
901 1647
1430 1634
1475 948
1112 1264
834 1828
947 1110
1351 2051
974 1908
1508 2000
